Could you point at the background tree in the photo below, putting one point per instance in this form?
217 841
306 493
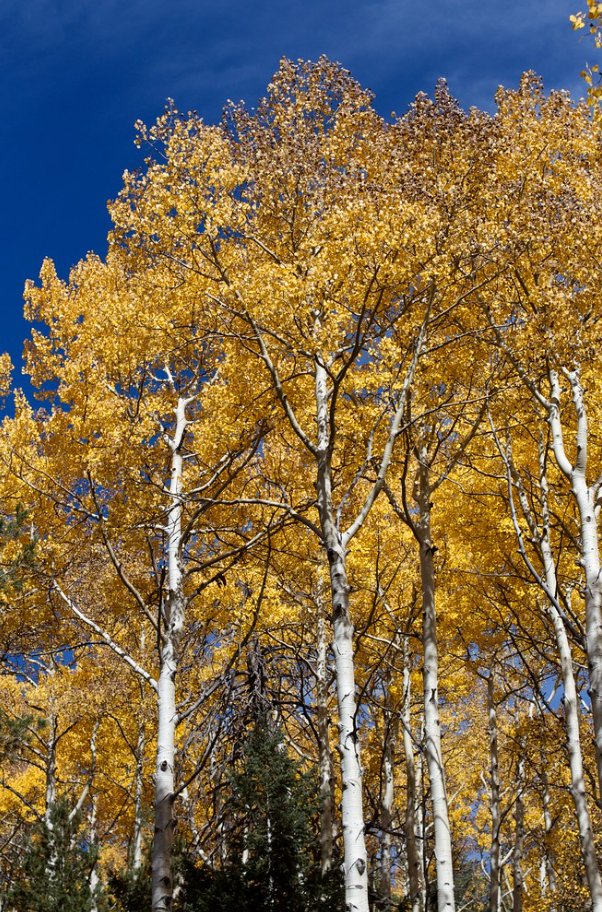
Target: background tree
55 868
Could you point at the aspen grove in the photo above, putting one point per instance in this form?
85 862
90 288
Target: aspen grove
300 553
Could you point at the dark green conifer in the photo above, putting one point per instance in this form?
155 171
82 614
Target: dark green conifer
274 859
54 876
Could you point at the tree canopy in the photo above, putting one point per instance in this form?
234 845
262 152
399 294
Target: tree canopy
301 588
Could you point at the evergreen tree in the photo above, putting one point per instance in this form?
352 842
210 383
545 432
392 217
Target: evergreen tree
131 890
275 801
274 863
54 876
13 529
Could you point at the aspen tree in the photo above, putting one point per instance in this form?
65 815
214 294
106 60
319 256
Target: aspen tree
548 329
414 825
303 309
313 247
330 344
541 535
134 405
495 851
305 234
424 477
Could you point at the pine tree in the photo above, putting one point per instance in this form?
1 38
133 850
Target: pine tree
277 805
17 555
131 889
274 863
55 872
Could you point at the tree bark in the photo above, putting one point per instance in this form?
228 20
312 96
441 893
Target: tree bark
388 799
548 874
413 815
355 862
434 759
519 837
496 815
162 878
573 743
50 790
94 879
352 814
585 498
136 851
324 753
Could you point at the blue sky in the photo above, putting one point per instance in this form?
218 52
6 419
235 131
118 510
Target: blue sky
77 74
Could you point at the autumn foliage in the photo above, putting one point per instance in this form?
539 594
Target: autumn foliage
312 496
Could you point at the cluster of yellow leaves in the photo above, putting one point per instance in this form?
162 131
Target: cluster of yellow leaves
312 224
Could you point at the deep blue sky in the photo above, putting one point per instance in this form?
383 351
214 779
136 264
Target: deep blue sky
77 74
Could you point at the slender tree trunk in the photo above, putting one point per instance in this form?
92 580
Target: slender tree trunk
164 776
136 851
496 815
245 842
585 498
355 862
94 881
571 707
413 815
136 848
50 770
443 843
50 796
548 872
355 855
591 566
519 838
324 753
162 886
421 820
387 805
578 792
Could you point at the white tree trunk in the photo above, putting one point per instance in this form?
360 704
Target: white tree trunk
94 881
162 880
164 778
352 814
571 712
570 696
496 813
519 837
422 798
324 753
135 855
413 821
388 802
136 852
51 793
548 879
434 758
355 856
585 498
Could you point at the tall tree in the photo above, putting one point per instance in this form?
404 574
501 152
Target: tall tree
133 412
306 235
